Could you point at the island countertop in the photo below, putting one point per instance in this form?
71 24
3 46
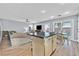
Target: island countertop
42 34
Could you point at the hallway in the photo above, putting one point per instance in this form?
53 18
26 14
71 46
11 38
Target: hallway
5 43
5 40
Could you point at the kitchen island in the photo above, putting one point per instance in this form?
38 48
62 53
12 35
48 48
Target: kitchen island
44 44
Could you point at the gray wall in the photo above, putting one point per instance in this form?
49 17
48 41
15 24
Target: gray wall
9 25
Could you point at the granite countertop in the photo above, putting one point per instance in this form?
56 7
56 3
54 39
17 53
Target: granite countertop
41 34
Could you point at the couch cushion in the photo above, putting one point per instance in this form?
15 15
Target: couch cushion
19 35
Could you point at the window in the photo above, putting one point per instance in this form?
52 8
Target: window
66 29
66 24
47 27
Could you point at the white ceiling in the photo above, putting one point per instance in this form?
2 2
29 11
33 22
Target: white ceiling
32 11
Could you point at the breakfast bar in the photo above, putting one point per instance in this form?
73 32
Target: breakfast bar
44 44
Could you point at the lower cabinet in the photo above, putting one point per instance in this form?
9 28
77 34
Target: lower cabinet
48 46
54 42
44 46
38 47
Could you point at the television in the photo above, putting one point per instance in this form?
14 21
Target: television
39 27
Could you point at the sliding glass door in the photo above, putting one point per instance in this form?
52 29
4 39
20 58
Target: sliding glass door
57 27
67 29
63 27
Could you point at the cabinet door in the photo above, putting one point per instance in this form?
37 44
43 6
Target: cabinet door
48 46
54 42
38 47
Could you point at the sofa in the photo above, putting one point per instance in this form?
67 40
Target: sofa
18 39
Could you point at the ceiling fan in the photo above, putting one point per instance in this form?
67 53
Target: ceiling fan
26 19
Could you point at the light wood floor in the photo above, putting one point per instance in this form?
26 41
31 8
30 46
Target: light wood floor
7 50
69 48
5 43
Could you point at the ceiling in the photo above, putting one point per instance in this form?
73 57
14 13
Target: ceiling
36 12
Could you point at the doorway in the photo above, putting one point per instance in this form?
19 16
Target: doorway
5 43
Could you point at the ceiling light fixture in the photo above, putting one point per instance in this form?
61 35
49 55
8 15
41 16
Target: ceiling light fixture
66 12
51 17
43 11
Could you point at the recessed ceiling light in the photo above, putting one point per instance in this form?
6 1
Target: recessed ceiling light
51 17
43 11
66 12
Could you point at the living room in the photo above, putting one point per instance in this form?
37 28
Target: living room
38 29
